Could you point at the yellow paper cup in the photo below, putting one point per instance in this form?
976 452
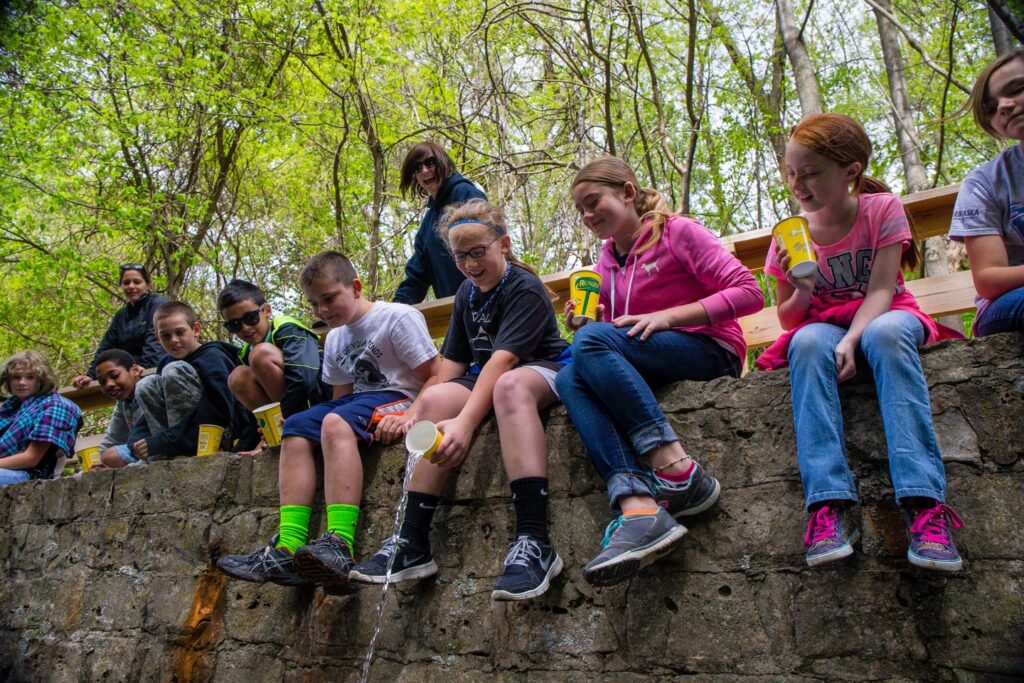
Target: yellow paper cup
89 457
209 439
270 420
792 233
423 438
584 290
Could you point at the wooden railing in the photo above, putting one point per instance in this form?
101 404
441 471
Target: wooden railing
931 210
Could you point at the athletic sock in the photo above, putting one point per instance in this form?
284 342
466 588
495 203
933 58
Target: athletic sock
530 499
293 529
341 521
677 478
419 513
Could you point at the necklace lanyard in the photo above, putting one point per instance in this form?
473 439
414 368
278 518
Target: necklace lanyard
481 314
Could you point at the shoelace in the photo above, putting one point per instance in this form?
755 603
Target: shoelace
391 546
521 551
821 525
610 530
931 523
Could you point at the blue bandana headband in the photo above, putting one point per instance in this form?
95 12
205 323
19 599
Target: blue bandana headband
463 221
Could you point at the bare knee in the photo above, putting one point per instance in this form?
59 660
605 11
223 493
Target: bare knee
335 432
511 392
265 355
240 379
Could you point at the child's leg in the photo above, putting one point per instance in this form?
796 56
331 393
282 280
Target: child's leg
182 390
244 385
818 416
267 363
149 394
1005 314
890 344
440 402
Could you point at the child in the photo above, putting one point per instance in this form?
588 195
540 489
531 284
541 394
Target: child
189 389
989 212
118 374
377 353
502 351
856 301
672 294
280 357
37 425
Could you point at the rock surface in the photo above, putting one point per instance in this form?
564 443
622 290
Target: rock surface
110 576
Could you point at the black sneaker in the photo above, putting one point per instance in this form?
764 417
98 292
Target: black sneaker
629 543
326 561
694 496
263 564
411 562
530 566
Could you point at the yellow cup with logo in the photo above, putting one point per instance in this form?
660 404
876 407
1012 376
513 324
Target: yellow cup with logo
584 290
423 438
270 420
793 234
89 457
209 439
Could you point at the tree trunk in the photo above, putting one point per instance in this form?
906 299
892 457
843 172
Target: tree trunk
1001 38
796 49
1012 14
936 260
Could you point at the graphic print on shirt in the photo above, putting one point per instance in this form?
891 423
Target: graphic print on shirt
481 342
850 275
360 359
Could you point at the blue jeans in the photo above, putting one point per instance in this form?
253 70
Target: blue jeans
1005 314
13 476
607 391
889 344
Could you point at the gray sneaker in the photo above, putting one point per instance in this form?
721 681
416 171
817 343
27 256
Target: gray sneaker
326 561
263 564
698 494
629 543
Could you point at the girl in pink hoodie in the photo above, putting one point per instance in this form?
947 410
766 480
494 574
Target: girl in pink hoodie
671 294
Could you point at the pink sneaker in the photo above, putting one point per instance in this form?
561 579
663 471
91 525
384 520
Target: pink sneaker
931 543
830 535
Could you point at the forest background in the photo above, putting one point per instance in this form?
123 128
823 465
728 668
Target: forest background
235 138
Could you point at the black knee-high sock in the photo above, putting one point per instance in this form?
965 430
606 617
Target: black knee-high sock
530 498
419 513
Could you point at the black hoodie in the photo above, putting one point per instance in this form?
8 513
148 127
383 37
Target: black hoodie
431 264
213 362
132 330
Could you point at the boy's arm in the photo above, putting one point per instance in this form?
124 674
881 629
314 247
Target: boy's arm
117 430
26 459
393 426
301 368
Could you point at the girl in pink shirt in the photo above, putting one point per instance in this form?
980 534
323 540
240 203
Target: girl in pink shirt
856 307
672 294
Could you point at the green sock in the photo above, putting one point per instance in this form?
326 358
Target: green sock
293 530
341 521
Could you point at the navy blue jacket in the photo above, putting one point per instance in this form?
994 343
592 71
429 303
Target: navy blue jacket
132 330
213 362
431 264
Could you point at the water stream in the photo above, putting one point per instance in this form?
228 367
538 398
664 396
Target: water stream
410 466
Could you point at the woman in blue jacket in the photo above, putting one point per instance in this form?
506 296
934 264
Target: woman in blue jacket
428 171
132 327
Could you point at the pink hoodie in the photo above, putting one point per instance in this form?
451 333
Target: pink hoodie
687 264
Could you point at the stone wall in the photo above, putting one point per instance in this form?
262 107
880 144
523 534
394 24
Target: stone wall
110 576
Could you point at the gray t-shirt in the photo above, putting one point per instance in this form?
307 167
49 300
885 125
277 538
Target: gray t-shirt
991 202
380 351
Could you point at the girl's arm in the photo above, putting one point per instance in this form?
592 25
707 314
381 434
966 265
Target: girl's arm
878 300
458 432
391 427
27 459
993 276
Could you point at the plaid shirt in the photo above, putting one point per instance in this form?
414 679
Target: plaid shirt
51 419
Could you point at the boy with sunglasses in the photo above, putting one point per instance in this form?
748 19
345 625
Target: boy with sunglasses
280 357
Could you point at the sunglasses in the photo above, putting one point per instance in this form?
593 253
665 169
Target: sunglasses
249 319
131 266
476 253
428 163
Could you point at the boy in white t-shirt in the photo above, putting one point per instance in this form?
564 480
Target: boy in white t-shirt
376 354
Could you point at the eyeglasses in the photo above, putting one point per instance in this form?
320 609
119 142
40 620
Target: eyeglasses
429 162
249 319
131 266
475 253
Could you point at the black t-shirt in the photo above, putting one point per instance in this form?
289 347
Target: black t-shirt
517 317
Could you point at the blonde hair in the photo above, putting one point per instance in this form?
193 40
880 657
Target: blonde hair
28 361
980 102
486 214
651 207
